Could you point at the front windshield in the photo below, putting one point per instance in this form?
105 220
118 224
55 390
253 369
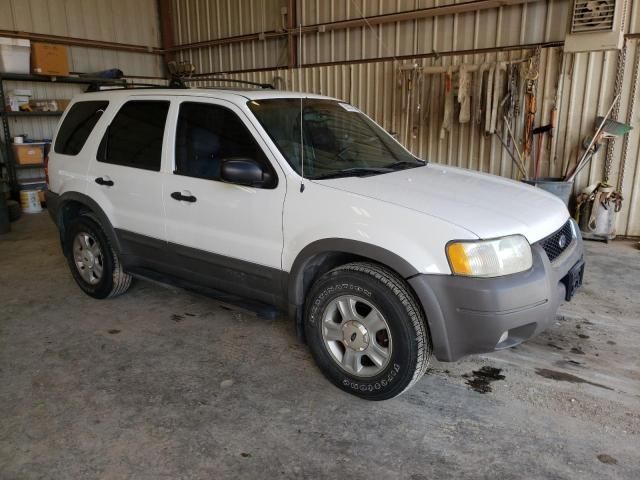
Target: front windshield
338 139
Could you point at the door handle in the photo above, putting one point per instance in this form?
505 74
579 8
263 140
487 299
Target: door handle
106 182
183 198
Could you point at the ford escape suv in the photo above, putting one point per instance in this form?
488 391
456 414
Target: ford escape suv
301 203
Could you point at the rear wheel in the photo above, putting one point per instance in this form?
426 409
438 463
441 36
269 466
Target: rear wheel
366 331
93 262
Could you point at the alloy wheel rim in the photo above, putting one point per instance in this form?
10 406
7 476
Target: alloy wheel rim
356 335
88 257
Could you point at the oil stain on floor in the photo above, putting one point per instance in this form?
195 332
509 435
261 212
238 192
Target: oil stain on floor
480 380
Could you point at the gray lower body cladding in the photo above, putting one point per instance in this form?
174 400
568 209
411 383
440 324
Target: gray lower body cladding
464 315
470 315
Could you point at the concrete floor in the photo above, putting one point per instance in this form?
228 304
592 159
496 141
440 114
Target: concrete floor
162 383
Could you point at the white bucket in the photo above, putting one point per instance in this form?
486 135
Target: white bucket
30 201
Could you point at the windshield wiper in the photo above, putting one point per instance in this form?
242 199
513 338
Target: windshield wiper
406 164
353 172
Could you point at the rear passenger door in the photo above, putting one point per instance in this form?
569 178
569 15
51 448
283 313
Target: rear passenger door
125 178
229 236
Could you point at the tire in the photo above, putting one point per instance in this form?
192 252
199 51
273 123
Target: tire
85 243
366 331
15 211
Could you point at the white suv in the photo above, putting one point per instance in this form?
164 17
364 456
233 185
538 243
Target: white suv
292 202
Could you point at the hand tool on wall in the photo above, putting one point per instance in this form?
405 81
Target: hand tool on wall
464 94
477 94
531 74
612 129
513 77
540 131
448 103
500 69
530 115
513 157
417 117
519 161
489 100
553 120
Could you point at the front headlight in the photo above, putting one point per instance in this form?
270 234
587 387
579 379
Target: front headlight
490 258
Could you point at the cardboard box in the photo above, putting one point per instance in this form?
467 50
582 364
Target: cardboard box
49 105
49 59
62 104
29 153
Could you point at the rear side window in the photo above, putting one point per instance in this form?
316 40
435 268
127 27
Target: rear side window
134 138
77 126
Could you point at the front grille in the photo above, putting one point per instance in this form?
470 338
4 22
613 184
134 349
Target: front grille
555 244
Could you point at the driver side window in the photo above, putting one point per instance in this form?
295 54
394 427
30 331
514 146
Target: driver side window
208 134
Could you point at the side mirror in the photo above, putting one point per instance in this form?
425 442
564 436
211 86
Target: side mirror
245 171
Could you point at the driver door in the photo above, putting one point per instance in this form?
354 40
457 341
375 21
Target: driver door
225 236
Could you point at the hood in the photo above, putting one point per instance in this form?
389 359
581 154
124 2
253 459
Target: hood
486 205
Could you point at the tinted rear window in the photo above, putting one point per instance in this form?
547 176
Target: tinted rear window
134 138
77 126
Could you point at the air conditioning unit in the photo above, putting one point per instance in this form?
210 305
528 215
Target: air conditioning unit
596 25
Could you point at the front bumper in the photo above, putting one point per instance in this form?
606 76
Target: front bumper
470 315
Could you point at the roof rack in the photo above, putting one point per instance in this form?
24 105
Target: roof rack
176 81
98 86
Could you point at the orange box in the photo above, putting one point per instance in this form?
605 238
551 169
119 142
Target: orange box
49 59
29 153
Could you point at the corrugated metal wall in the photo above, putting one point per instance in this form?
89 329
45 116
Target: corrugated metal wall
466 31
122 21
581 85
199 20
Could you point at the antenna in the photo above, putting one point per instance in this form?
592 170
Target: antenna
301 115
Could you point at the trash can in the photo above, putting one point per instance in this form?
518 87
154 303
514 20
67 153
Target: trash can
557 186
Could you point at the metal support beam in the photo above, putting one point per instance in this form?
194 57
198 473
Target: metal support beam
292 17
165 17
80 42
506 48
463 7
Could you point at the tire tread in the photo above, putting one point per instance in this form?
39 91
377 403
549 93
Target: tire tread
397 286
121 281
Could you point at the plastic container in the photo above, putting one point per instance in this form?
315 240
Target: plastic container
598 222
30 201
15 55
557 186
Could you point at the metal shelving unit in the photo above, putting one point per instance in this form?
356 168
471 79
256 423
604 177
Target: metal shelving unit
31 114
9 168
31 165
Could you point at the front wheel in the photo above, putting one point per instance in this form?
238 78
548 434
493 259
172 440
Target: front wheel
366 331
